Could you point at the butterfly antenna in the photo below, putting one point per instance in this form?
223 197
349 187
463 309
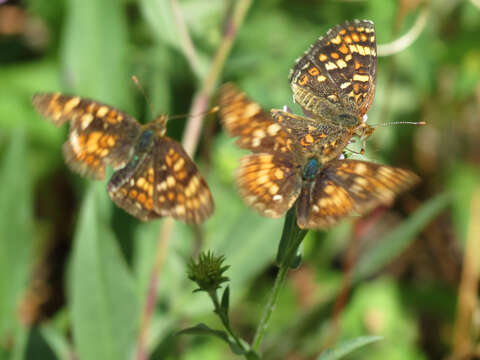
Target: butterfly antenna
211 111
142 90
420 123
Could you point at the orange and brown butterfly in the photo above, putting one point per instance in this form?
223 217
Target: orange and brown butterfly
154 176
334 81
293 161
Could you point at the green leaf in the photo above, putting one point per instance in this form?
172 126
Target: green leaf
95 51
225 302
401 237
16 235
347 347
103 301
202 329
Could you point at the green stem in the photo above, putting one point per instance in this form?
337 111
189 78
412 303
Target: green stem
224 318
268 311
287 258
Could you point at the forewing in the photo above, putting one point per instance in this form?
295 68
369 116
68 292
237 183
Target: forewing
337 74
99 134
348 187
255 128
268 183
180 190
132 187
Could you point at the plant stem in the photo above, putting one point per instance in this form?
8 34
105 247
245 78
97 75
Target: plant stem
268 311
287 258
189 142
224 318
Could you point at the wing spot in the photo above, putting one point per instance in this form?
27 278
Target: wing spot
341 64
149 204
322 57
141 182
170 181
361 169
303 81
71 104
345 85
313 71
162 186
85 120
336 40
334 55
362 78
252 109
330 66
273 189
75 142
355 37
141 198
279 174
133 193
178 164
321 78
277 198
262 179
343 49
329 189
102 111
273 129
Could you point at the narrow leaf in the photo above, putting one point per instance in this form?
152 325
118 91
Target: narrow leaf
225 303
95 50
401 237
104 304
347 347
16 235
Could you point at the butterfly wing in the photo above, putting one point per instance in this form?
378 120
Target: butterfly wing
324 140
269 183
337 74
180 190
347 187
256 129
99 134
132 187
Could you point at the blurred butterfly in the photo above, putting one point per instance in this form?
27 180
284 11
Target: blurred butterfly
293 161
154 176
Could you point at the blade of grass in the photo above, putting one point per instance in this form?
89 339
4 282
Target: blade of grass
400 238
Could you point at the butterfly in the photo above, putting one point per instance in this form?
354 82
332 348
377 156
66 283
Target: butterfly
154 176
286 168
334 81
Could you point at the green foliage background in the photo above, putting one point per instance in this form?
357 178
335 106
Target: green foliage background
79 268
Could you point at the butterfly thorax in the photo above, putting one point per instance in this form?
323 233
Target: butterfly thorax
311 169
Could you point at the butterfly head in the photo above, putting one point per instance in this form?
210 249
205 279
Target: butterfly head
159 125
363 131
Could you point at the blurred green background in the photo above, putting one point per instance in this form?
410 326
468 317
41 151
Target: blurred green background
74 270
